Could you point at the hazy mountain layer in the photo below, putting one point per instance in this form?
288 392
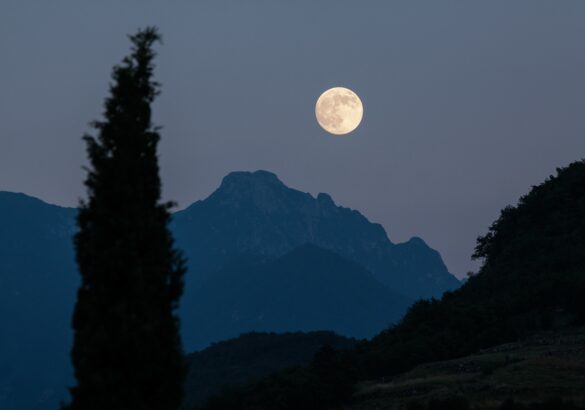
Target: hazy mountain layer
307 289
37 291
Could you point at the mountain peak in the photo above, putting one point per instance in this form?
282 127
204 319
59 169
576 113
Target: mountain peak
324 198
415 240
260 189
244 178
254 213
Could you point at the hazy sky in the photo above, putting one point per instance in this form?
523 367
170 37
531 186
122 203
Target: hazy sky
467 103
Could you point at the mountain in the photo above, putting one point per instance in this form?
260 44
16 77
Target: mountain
252 225
307 289
37 289
250 357
254 213
531 287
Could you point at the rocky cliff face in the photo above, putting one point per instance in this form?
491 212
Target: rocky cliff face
255 213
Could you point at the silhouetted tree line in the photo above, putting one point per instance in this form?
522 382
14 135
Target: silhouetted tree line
325 384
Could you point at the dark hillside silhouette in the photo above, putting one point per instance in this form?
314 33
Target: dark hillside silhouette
533 278
252 356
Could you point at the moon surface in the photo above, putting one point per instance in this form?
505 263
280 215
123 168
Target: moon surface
339 110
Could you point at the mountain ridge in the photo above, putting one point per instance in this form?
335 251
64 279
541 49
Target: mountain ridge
39 280
279 218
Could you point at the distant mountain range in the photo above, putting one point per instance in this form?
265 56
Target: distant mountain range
38 282
250 268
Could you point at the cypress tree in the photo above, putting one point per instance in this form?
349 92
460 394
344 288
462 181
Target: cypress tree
127 352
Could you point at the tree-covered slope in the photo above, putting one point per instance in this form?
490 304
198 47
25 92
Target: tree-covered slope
250 357
545 366
533 278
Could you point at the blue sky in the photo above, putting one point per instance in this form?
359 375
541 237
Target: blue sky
467 103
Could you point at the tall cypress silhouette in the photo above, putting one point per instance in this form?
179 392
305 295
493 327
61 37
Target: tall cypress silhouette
127 351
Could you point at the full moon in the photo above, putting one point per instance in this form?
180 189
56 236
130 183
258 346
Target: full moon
339 110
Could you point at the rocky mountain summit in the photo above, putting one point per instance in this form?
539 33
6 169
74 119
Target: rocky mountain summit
254 213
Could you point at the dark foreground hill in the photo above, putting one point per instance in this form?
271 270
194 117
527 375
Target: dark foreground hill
250 357
532 280
541 372
545 366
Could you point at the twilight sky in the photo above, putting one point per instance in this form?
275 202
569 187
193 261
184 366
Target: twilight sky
466 103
